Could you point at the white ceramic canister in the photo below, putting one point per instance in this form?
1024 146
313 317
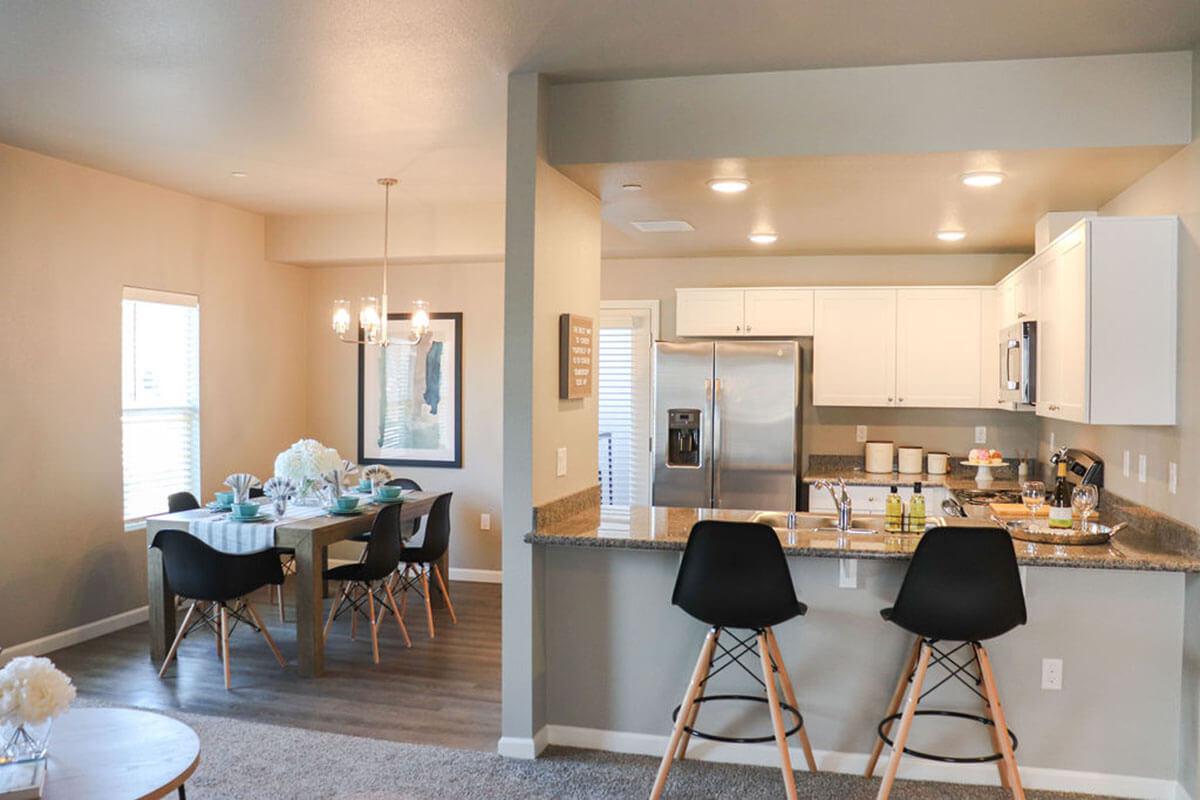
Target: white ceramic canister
909 459
937 463
878 456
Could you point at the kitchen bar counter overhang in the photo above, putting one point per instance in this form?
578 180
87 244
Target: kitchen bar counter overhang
658 528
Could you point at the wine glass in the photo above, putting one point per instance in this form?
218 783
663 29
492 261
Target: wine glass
1033 495
1084 499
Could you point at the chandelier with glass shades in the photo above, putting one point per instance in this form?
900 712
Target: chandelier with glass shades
373 311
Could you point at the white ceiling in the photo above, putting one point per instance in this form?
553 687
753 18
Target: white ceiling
856 204
316 99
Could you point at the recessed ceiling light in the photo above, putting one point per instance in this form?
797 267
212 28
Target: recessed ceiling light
662 225
951 236
237 174
631 187
729 185
982 179
763 238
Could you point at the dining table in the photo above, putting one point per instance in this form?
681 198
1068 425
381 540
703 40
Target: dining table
309 531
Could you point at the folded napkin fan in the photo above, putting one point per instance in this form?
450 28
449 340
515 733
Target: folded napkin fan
377 474
280 488
333 481
241 483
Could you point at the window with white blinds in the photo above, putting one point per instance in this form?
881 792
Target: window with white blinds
623 391
160 405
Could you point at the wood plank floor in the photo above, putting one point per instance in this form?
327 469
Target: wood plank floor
444 691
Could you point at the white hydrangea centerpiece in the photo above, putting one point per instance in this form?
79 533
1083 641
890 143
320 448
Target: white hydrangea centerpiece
32 693
305 462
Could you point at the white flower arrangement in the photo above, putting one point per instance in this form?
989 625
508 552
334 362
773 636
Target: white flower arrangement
32 691
306 461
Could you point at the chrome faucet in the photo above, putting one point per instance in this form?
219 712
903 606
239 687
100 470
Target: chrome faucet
840 501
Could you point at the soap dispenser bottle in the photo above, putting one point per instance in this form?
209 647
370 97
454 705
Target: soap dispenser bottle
916 510
893 511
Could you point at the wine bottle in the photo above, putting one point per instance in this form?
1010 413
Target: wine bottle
1060 501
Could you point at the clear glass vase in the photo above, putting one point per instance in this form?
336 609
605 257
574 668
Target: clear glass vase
24 742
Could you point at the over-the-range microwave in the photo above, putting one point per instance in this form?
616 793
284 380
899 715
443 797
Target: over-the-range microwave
1018 365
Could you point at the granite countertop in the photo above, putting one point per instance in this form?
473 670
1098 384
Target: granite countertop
1145 545
857 476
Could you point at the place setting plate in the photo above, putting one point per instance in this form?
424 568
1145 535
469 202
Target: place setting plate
339 512
259 517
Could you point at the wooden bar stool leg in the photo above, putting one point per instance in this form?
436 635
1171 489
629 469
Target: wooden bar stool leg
789 777
225 643
396 612
178 638
263 630
894 705
997 714
910 709
437 573
789 694
371 621
1001 766
689 698
691 723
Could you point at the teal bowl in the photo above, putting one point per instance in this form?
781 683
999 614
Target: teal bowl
388 492
346 503
224 498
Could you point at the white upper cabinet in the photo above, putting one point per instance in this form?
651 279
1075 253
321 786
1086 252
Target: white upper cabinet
854 347
1018 295
1107 323
779 312
743 312
709 312
938 348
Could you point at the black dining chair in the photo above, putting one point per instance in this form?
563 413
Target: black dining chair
418 562
181 501
734 576
963 585
365 583
218 584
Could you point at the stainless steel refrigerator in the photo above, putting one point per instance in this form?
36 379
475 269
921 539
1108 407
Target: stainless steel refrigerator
727 424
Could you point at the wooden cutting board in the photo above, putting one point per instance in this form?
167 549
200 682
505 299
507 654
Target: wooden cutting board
1018 510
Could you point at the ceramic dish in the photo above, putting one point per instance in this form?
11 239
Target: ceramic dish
338 512
387 501
1089 533
256 518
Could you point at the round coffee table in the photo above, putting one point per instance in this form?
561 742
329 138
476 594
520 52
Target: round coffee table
119 753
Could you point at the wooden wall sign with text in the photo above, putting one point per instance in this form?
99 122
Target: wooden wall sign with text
575 337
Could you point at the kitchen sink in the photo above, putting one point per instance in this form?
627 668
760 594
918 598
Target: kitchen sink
820 522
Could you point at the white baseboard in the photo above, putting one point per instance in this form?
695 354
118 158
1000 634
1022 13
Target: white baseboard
475 575
1059 780
524 748
77 635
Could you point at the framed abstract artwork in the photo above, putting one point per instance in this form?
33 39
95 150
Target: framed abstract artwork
410 395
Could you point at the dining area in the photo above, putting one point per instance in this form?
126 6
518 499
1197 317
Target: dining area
206 562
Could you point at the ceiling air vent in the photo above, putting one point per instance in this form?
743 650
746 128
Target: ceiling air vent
662 226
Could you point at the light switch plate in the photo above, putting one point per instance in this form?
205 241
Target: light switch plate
560 464
1173 478
847 573
485 522
980 434
1125 464
860 433
1052 674
1141 467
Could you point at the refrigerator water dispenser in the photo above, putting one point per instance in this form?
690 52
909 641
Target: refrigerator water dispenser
683 437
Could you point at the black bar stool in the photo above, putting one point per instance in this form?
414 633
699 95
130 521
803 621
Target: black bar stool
963 585
734 577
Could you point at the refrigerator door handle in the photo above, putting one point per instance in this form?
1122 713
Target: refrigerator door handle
716 444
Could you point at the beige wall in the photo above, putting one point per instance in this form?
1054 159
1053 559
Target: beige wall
1172 188
567 254
832 430
70 238
475 290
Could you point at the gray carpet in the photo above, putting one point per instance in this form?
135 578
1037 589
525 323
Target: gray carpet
251 761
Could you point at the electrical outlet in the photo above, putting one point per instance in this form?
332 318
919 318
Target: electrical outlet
1172 478
1052 674
847 573
980 434
860 433
560 464
485 522
1141 467
1125 464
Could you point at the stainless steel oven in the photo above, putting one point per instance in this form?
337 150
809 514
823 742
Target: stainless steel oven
1018 364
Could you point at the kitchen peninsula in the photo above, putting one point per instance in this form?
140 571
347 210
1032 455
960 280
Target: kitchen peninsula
1114 614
